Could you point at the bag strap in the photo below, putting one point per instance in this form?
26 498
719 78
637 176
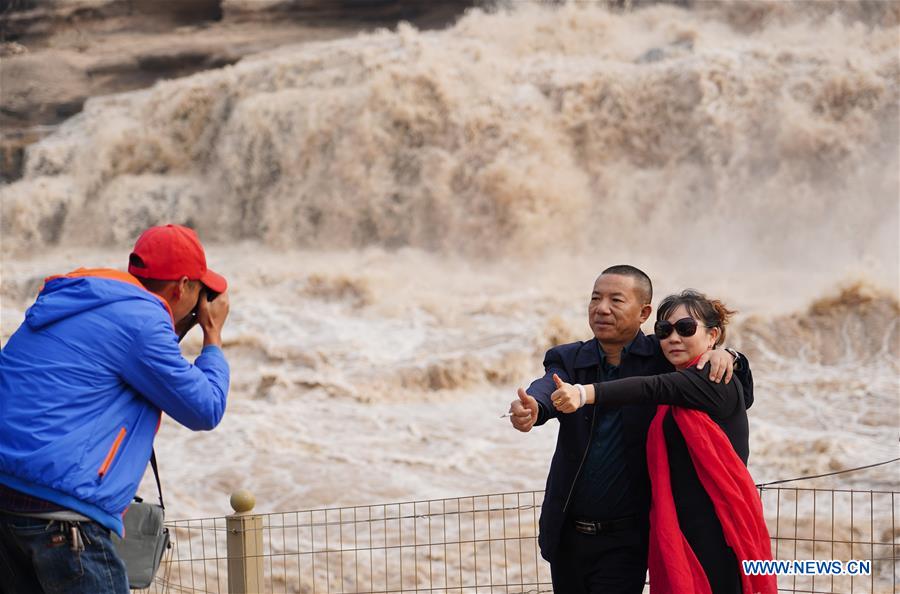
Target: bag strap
156 474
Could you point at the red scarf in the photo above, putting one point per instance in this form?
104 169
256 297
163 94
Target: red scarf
674 568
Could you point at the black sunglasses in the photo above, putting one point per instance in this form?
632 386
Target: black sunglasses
684 327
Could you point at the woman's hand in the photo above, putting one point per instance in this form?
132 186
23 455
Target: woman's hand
566 398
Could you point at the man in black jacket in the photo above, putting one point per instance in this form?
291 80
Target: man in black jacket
594 520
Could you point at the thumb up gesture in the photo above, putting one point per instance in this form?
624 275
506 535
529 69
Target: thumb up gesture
566 398
523 412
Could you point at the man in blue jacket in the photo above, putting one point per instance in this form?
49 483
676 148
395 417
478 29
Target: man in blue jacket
594 519
83 385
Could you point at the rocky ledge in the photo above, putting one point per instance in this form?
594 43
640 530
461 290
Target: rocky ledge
55 54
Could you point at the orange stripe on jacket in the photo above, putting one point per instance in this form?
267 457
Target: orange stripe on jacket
111 274
111 455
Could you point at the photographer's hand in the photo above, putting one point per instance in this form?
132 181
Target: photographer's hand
211 315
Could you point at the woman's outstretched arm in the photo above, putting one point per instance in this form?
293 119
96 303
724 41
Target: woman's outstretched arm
690 388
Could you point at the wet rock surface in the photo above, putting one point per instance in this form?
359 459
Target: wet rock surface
56 54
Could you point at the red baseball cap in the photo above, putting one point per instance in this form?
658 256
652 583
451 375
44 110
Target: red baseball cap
170 252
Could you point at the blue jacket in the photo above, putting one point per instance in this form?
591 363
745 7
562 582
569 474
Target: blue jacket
82 384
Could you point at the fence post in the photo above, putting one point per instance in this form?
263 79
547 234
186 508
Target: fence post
245 546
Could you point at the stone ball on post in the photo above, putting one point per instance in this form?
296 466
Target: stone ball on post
242 501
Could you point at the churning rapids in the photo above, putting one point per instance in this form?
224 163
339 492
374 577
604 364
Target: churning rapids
408 219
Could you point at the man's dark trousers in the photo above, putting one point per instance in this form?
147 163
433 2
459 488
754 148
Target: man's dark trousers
609 563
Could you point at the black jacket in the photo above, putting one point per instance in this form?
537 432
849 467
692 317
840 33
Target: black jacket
579 362
724 403
688 388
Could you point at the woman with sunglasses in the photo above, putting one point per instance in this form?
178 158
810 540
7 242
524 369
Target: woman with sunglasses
705 516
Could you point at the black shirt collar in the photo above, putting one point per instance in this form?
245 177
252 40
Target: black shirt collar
591 355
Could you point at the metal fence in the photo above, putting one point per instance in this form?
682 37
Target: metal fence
488 543
835 524
467 544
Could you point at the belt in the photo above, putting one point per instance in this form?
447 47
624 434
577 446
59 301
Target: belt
592 527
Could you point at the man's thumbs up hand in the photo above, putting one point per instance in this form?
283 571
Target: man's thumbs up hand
523 413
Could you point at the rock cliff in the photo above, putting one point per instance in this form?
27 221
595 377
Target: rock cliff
54 54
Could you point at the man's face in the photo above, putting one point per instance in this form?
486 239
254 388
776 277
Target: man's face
616 310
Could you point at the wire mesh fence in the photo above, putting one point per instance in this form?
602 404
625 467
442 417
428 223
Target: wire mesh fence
488 543
461 545
826 524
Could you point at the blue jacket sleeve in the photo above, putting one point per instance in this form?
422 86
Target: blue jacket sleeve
541 388
194 395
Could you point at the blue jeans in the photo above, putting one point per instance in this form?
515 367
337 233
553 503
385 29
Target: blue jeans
37 556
